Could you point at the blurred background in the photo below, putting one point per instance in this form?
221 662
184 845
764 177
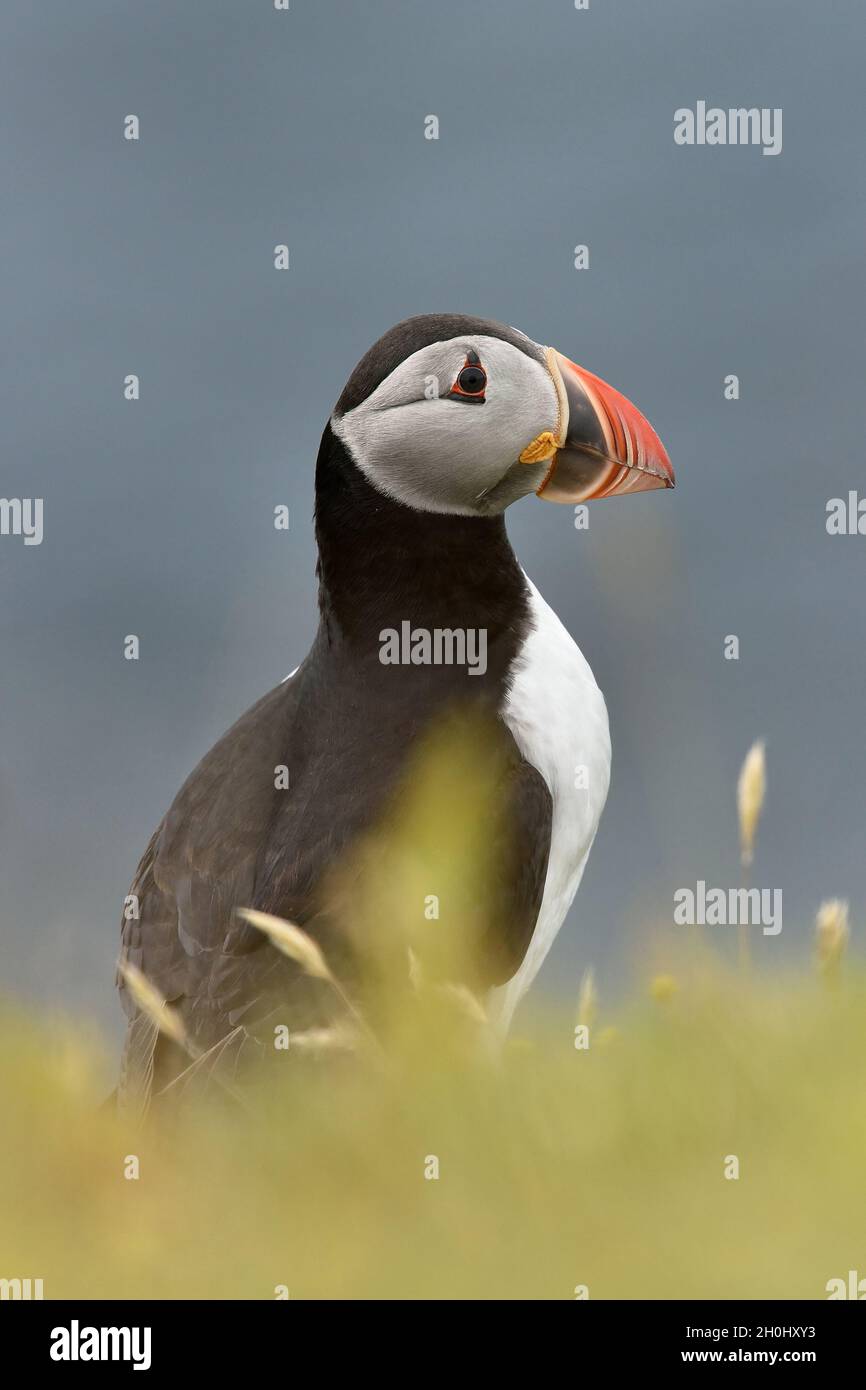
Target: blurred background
307 128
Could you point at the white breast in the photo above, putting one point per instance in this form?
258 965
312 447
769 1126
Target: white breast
557 716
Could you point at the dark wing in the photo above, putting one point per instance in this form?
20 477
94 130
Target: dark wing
180 927
231 839
521 852
149 942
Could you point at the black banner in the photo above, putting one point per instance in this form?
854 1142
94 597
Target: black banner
240 1338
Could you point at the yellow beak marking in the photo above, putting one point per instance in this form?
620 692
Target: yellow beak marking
543 446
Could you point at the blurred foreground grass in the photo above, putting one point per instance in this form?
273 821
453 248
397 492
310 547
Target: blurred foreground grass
557 1167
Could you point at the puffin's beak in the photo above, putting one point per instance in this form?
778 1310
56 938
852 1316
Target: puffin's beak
604 445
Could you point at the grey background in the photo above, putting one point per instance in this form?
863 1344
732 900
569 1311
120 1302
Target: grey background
307 128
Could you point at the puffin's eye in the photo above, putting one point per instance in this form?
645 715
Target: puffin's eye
471 381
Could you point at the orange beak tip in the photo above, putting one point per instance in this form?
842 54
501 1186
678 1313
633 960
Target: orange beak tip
608 448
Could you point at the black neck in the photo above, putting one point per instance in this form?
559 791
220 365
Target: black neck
382 563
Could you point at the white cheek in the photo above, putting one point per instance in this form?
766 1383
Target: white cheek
427 455
440 454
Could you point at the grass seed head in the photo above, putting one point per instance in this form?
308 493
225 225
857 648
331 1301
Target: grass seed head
587 1000
150 1002
751 787
831 934
291 940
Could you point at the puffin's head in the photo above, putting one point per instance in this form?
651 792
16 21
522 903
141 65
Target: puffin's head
447 413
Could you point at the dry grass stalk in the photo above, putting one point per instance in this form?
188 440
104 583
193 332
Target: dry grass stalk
831 936
587 1000
301 948
291 940
150 1002
323 1040
751 789
466 1003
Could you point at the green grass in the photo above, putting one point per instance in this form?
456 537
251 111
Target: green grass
557 1167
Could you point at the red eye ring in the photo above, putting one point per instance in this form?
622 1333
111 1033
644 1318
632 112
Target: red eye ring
471 381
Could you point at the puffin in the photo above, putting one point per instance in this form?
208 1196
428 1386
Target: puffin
445 422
